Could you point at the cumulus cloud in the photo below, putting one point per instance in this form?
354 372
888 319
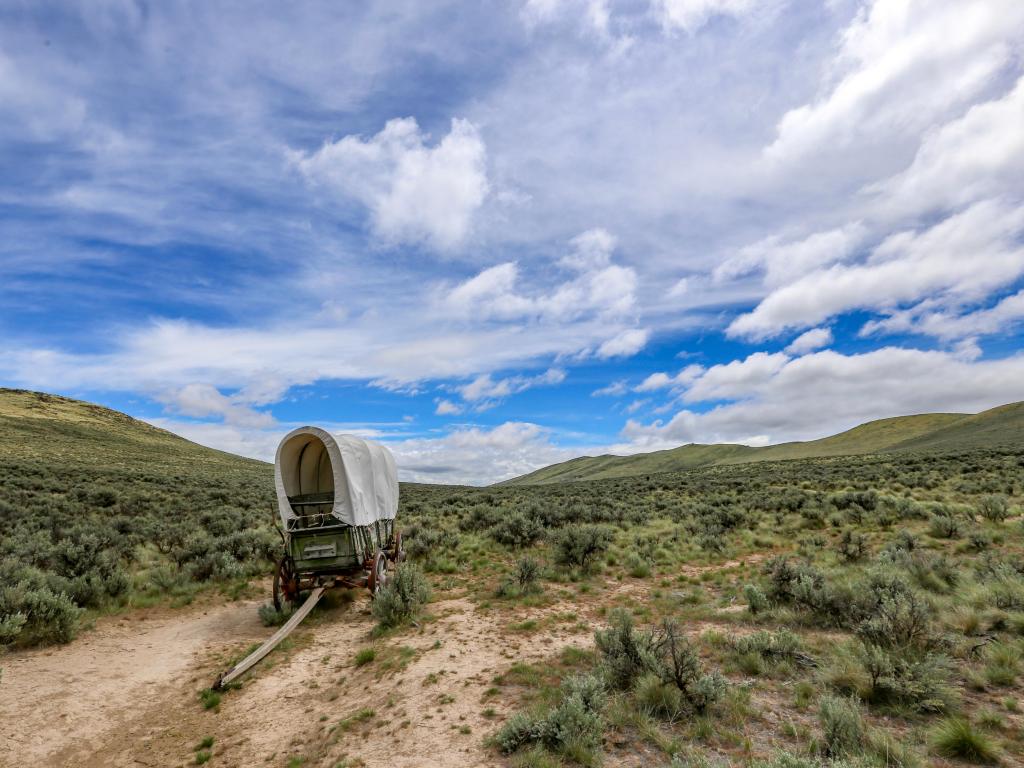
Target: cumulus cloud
205 400
484 390
662 380
691 15
978 155
414 192
900 66
825 392
816 338
477 455
624 344
906 267
447 408
929 319
781 261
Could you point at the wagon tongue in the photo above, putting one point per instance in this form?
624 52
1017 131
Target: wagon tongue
250 661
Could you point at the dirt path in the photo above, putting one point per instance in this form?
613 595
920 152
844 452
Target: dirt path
125 693
71 697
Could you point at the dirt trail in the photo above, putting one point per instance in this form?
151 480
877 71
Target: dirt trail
66 697
125 693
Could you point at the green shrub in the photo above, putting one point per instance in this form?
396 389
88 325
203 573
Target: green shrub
842 726
517 530
944 527
627 652
658 698
574 724
364 656
756 599
579 545
271 617
994 507
955 737
400 599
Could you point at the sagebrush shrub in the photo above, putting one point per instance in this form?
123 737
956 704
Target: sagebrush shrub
579 545
517 530
575 722
842 726
994 507
406 592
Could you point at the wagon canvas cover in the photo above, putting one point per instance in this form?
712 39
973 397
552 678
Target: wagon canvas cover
362 476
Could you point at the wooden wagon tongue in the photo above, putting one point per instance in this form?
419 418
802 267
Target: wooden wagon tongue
253 658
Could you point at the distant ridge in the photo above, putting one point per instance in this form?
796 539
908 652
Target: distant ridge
996 427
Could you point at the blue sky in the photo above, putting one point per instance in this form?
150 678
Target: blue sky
500 235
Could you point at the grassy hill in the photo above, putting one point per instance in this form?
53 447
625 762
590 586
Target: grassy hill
98 508
58 430
1002 426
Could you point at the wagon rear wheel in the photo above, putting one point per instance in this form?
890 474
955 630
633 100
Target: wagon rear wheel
378 578
286 583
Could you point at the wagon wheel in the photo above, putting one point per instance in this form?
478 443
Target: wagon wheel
378 577
286 583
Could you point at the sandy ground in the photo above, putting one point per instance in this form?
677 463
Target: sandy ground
126 693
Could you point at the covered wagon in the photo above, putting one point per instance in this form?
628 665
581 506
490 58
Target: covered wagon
337 498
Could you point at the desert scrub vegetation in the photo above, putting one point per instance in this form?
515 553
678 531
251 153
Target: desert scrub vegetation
99 510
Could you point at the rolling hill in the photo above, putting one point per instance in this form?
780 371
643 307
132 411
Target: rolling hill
54 431
924 432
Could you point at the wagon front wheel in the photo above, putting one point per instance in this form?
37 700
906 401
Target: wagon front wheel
378 574
286 586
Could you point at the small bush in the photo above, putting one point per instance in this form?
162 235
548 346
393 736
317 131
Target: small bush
658 698
210 698
955 737
757 601
574 725
994 507
944 527
842 726
364 656
271 617
517 530
627 653
579 545
401 597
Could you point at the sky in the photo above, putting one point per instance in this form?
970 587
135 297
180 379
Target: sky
499 235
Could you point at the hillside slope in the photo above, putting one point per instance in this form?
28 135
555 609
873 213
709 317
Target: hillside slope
39 427
996 427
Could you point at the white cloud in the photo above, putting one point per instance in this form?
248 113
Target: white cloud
476 455
447 408
205 400
415 192
826 392
614 389
816 338
691 15
929 319
485 389
902 65
662 380
905 267
975 156
624 344
783 261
